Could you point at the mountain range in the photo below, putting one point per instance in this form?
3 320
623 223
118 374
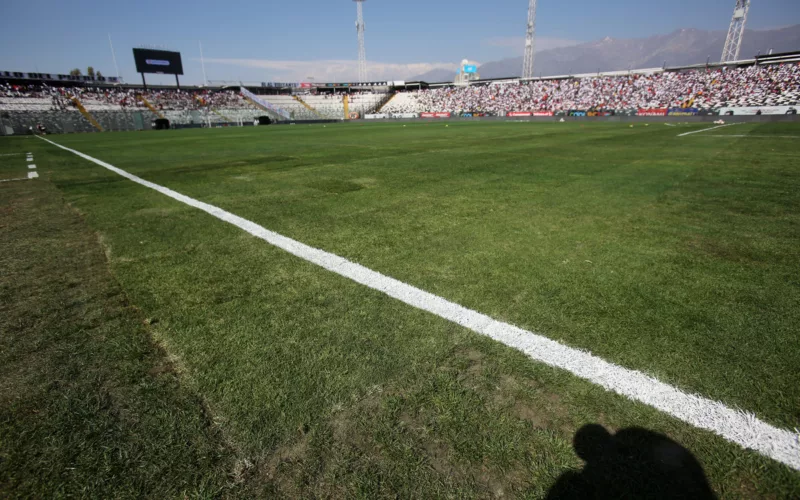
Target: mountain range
679 48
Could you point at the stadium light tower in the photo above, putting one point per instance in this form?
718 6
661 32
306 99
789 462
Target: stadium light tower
530 42
733 44
362 52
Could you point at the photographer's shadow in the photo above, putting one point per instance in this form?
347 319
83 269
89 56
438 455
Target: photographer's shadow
634 463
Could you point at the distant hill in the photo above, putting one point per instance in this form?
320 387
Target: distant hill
680 48
435 75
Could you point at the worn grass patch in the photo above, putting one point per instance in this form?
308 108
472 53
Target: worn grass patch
89 405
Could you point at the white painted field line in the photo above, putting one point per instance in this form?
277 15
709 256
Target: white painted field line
32 175
757 136
12 180
32 166
732 424
11 154
707 129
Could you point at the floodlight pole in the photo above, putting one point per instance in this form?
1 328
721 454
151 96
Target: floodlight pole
362 51
733 44
530 42
203 63
113 56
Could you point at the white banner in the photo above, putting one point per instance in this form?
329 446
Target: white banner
265 104
379 116
405 115
765 110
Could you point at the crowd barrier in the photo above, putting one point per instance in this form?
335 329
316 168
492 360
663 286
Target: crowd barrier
766 110
676 112
65 122
22 122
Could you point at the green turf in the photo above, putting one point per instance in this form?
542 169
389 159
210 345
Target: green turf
89 406
14 166
674 256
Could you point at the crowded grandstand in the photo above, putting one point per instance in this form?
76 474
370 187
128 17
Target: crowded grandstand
735 87
117 107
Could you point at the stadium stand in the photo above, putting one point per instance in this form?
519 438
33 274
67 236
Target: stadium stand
327 106
180 107
365 103
132 108
403 102
735 87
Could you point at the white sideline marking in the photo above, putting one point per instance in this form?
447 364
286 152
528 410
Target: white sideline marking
732 424
10 154
759 136
707 129
32 166
12 180
32 175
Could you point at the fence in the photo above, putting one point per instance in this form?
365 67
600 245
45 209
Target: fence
68 122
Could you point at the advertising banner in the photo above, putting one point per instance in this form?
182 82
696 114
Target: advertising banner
594 112
766 110
600 112
377 116
405 115
279 85
265 104
683 112
434 115
306 85
470 68
529 113
652 112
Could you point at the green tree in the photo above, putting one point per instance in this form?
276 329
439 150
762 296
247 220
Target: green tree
98 75
90 71
75 72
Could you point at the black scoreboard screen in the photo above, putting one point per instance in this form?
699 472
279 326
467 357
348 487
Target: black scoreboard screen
158 61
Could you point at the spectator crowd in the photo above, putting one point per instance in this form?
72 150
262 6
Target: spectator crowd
117 98
704 89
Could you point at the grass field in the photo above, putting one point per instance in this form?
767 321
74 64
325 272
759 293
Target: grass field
147 336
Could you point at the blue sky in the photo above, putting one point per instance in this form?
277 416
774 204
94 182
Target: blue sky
292 40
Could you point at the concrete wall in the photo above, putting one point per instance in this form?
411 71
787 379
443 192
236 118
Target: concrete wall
17 123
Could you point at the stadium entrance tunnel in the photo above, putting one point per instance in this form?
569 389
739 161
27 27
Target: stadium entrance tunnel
161 124
263 120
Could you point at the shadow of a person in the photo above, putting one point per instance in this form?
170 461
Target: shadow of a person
633 463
